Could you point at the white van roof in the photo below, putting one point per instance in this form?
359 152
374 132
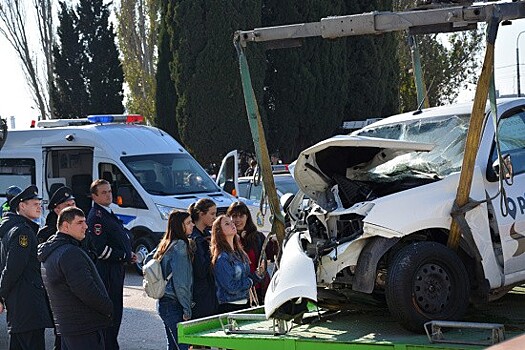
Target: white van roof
119 139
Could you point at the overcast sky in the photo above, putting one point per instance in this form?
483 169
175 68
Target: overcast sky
15 99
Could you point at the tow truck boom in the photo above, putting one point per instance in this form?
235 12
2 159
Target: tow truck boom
420 21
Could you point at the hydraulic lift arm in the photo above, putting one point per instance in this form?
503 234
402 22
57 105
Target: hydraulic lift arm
433 19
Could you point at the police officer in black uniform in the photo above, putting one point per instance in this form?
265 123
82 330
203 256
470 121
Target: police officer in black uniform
62 198
21 286
112 242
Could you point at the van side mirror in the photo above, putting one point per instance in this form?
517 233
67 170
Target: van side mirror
507 173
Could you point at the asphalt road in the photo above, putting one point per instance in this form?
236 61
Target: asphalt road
141 329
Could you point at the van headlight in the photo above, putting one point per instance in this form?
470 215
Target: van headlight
164 211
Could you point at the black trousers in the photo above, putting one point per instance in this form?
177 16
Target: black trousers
226 307
32 340
90 341
113 278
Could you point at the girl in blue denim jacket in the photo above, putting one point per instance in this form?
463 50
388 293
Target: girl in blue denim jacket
173 249
231 266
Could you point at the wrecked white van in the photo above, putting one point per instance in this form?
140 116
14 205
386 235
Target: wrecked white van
380 215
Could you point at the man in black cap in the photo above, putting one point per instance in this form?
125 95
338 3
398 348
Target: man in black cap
21 286
62 198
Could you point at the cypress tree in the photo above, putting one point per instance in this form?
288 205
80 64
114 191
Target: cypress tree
166 95
69 93
210 108
306 87
102 67
373 66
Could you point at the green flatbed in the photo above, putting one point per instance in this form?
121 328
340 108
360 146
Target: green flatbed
367 328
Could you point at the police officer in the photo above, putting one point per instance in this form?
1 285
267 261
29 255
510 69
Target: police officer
10 193
21 287
112 242
62 198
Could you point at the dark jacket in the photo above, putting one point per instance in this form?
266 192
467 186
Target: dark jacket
77 295
111 239
5 226
204 292
21 284
49 229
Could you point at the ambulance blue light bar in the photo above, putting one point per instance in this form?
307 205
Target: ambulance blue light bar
115 118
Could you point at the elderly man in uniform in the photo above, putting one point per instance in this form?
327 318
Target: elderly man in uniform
21 286
79 300
112 242
62 198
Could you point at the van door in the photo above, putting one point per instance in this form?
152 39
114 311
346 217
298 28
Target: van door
72 167
228 176
511 222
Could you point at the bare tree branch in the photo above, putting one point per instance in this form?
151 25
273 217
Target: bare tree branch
13 28
44 16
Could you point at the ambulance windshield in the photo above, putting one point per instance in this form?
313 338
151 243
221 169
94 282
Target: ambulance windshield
170 174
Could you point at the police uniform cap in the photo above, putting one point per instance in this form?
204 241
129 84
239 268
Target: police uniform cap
63 194
30 192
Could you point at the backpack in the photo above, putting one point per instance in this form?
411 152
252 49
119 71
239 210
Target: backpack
153 281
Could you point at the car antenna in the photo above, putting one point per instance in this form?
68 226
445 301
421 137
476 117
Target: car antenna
419 108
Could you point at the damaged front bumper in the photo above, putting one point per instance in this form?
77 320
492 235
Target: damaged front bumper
294 283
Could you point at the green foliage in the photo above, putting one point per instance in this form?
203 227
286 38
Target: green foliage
373 68
69 93
311 90
88 71
137 34
103 70
448 62
210 108
166 95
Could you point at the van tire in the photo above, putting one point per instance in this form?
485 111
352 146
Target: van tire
142 247
426 281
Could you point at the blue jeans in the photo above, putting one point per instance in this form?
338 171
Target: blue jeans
170 311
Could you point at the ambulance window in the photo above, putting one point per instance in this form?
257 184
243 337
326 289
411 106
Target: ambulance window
169 174
124 194
16 172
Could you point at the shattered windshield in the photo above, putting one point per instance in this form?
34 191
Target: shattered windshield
447 133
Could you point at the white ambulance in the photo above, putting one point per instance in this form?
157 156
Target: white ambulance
149 171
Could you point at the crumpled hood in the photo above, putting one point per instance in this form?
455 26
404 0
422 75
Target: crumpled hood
316 165
45 249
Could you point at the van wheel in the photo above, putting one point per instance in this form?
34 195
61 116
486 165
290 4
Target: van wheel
426 281
142 248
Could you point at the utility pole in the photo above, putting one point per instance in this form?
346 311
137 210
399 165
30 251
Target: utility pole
518 62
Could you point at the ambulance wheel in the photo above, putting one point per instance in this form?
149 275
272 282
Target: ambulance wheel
426 281
142 247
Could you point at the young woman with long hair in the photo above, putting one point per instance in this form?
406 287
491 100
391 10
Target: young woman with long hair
231 266
252 242
175 256
203 213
